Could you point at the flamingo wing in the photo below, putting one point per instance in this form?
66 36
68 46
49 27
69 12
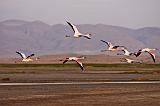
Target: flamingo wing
65 61
88 37
30 56
108 43
153 56
80 64
74 28
21 54
119 47
138 53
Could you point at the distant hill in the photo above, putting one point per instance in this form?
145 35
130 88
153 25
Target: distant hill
41 38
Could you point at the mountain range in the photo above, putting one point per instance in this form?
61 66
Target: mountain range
41 38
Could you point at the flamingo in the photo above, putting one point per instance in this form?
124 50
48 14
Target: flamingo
76 60
24 57
111 47
127 53
148 50
77 34
129 60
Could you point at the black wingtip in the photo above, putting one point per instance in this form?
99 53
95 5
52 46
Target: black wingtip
154 60
65 61
82 68
87 37
104 41
32 54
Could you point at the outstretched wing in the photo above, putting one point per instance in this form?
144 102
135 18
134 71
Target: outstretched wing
153 56
108 43
65 61
80 64
138 53
119 47
74 28
21 54
125 51
87 36
30 56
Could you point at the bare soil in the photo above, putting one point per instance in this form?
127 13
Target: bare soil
81 95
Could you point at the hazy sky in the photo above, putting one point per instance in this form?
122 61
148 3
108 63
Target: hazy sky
127 13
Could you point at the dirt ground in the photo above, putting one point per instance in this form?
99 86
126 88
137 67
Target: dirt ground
77 94
81 95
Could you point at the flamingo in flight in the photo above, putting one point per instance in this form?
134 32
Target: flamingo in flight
129 60
127 53
148 50
24 57
76 60
111 47
77 33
